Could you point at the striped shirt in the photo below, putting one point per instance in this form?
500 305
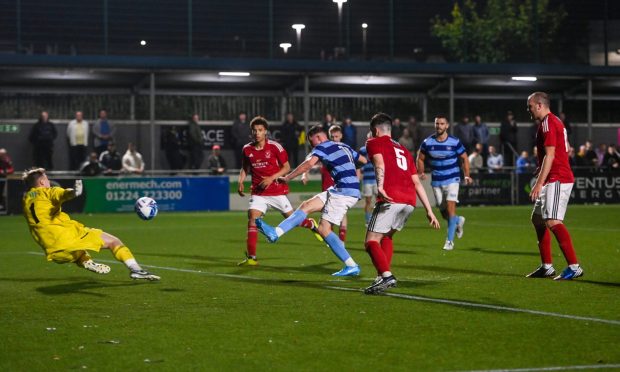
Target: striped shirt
339 159
444 159
368 171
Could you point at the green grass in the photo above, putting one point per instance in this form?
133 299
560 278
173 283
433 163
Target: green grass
284 316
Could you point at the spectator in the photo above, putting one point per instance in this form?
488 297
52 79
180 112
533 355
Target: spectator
476 161
6 168
580 158
572 160
415 130
132 160
240 136
92 166
216 162
567 125
591 157
328 121
600 151
534 157
289 137
349 132
406 140
77 134
523 163
397 129
611 160
481 135
111 159
42 137
194 143
495 162
533 131
465 132
103 132
171 144
508 138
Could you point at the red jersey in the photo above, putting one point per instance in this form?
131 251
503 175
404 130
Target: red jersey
264 163
399 168
551 132
326 178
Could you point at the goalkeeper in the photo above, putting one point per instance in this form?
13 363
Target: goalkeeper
63 239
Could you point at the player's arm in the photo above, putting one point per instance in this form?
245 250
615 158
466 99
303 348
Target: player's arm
62 195
420 165
544 172
284 169
243 172
302 168
467 178
362 160
377 162
419 189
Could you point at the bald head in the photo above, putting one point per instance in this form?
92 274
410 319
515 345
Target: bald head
538 105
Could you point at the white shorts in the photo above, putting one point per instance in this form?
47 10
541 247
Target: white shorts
369 189
449 192
389 216
262 203
553 200
336 206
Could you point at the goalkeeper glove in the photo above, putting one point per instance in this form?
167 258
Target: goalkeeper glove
78 188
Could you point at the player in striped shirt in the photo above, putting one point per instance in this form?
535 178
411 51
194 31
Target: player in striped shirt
334 203
369 183
444 152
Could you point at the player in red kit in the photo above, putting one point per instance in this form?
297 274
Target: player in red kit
397 179
265 160
552 189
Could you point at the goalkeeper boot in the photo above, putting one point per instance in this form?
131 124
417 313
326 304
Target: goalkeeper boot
541 272
569 274
459 227
348 271
267 230
315 230
378 287
249 261
143 274
98 268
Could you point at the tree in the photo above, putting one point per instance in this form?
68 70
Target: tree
504 31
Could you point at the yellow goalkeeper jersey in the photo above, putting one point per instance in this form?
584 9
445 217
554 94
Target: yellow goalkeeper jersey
48 224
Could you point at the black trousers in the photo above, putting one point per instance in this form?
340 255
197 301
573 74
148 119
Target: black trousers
77 155
43 155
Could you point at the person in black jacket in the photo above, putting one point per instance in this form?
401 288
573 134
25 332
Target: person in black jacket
508 138
42 137
289 137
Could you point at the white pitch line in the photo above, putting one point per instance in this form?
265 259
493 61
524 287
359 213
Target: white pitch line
397 295
557 368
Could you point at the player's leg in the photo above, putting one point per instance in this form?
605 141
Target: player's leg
308 223
334 210
543 237
450 195
367 208
311 205
554 210
251 239
122 253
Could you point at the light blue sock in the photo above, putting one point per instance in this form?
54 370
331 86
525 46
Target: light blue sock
368 215
292 221
337 246
452 222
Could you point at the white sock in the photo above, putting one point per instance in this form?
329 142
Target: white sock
547 266
349 262
279 231
132 264
574 267
386 274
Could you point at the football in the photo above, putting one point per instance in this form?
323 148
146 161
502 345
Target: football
146 208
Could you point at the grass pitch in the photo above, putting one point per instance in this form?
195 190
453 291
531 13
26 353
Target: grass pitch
469 309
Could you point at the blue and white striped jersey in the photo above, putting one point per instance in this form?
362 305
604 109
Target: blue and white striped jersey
340 160
368 171
444 159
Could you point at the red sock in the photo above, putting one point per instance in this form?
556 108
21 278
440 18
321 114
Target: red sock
342 233
376 255
251 242
544 243
387 245
566 245
306 223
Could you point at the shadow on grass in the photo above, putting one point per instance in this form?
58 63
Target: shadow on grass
509 253
605 284
84 287
459 270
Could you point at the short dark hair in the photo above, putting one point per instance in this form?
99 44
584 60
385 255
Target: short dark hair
442 116
259 120
31 176
314 130
379 119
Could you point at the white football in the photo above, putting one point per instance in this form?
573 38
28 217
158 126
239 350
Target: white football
146 208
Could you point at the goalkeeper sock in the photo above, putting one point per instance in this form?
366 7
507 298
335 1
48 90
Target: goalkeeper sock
291 222
123 254
452 222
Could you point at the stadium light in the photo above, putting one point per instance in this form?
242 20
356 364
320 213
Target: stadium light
233 73
143 42
339 2
285 46
524 78
298 27
364 25
364 38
